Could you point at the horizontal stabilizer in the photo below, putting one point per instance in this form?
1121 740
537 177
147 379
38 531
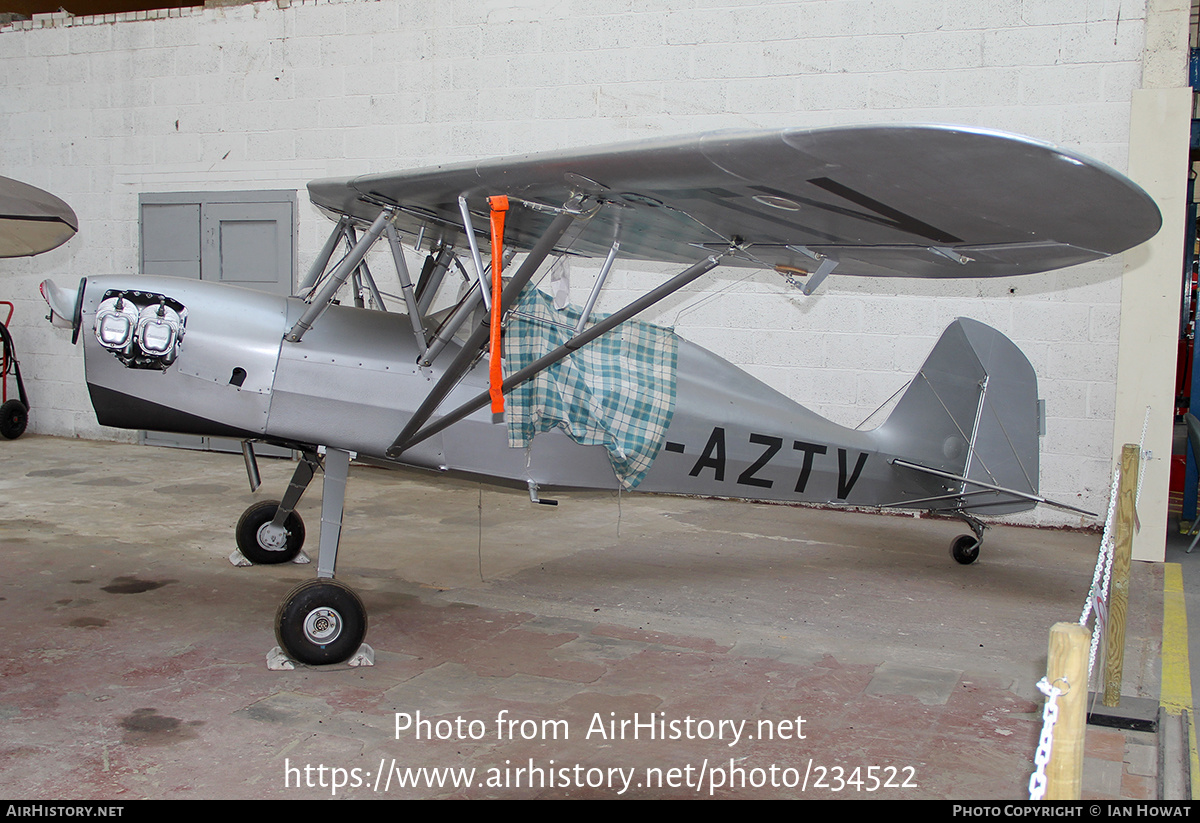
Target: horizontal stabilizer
966 500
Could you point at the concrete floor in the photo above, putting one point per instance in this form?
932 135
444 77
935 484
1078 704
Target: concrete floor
133 665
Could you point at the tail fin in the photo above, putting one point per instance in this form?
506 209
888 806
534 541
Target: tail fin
970 419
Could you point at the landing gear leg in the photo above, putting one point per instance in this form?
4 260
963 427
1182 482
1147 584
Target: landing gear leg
965 547
323 621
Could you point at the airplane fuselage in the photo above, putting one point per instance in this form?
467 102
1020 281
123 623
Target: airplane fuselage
354 380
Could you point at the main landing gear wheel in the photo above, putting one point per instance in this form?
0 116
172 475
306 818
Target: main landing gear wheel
13 419
321 622
262 543
965 549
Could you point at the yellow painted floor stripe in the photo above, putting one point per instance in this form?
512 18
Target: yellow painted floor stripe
1176 673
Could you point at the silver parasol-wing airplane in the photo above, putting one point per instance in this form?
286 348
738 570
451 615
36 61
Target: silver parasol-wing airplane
606 401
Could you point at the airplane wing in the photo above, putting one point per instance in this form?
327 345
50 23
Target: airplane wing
910 200
31 220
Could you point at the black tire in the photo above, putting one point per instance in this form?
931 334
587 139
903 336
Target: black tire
965 549
255 545
13 419
321 622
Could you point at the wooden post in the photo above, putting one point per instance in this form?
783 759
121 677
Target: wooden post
1118 600
1066 668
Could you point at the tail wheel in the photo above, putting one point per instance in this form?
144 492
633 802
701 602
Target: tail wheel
965 549
261 542
321 622
13 419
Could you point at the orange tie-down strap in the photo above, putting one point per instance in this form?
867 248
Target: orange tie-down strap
499 204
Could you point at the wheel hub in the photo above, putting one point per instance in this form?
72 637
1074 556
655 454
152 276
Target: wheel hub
272 538
322 626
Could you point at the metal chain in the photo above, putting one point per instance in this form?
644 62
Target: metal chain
1103 572
1037 780
1100 583
1141 456
1101 610
1106 543
1097 595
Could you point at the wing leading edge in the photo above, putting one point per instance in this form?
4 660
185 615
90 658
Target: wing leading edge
32 221
918 201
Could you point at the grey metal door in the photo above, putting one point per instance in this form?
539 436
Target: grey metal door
247 244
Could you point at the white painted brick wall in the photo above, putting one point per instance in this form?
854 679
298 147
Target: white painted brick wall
260 96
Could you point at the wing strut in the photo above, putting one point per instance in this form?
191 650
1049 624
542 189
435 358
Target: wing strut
406 287
318 266
436 265
445 333
363 272
354 265
413 435
469 230
479 337
338 277
600 278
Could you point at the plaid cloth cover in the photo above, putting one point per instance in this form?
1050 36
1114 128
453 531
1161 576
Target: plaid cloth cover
618 391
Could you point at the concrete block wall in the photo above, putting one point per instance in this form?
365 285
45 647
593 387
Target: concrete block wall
272 94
